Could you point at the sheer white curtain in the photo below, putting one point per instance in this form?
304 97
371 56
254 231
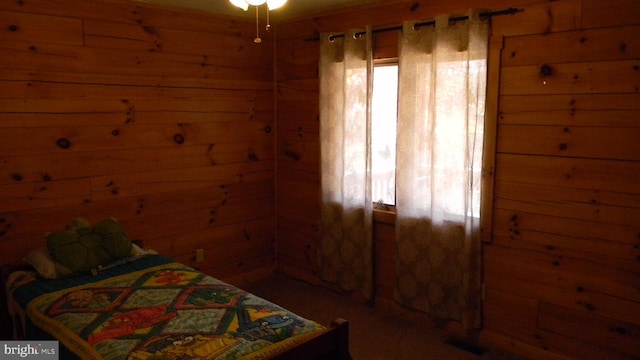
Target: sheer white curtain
345 256
442 80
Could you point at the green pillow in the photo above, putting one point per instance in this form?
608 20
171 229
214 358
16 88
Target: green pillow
82 248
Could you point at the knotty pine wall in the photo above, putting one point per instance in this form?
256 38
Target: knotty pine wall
158 117
561 261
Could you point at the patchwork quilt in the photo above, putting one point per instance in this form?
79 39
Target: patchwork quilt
167 311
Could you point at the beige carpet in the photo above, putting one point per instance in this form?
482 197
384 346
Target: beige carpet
374 334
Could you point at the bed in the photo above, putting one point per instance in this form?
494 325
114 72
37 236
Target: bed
147 306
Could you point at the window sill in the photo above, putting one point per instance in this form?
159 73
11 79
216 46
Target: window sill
384 216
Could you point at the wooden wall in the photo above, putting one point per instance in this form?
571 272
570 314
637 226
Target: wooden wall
563 271
160 118
561 264
164 119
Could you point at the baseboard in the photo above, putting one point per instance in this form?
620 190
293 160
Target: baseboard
299 274
450 328
245 279
310 278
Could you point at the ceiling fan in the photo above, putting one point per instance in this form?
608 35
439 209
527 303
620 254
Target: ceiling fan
271 5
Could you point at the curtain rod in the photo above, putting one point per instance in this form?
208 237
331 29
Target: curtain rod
508 11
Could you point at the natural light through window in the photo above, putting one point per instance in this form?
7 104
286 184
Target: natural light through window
384 112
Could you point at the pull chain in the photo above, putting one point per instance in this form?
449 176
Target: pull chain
257 40
268 27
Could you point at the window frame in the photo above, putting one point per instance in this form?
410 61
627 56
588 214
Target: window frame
378 207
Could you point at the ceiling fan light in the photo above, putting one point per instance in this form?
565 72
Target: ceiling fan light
274 4
255 2
241 4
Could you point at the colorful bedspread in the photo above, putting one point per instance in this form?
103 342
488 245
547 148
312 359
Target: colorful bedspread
167 311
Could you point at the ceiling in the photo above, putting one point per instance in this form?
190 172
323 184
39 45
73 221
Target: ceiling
292 9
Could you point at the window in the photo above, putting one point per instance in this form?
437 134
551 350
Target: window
384 111
438 123
384 115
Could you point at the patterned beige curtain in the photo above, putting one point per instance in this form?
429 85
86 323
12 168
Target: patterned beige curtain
345 256
439 157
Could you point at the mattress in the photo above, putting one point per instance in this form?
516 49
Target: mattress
153 308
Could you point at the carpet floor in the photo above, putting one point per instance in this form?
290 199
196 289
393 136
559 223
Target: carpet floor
374 334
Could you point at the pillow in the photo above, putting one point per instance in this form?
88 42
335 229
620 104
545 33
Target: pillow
43 263
82 248
137 252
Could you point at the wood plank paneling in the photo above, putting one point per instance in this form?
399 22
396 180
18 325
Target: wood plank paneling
571 111
384 259
604 142
136 37
538 17
58 165
573 46
298 154
122 61
158 83
610 13
588 236
541 344
561 269
44 194
622 76
620 335
162 118
587 174
577 289
23 27
515 308
566 204
135 184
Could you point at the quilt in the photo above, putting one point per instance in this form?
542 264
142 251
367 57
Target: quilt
168 311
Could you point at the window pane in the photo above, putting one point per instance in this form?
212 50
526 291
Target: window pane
384 112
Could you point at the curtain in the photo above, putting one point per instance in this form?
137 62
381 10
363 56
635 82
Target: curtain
345 254
442 80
